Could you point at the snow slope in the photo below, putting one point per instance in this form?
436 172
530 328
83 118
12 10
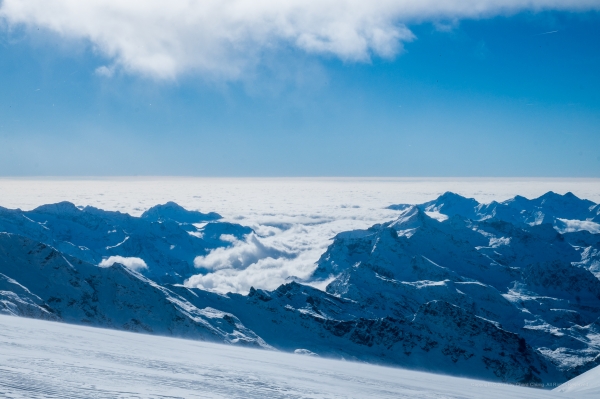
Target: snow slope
43 359
587 385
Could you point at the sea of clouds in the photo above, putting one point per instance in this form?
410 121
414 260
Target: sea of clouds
224 39
294 219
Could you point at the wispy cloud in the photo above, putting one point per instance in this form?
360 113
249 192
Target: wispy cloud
104 71
223 39
132 263
547 33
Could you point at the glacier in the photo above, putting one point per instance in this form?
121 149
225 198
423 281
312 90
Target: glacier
503 292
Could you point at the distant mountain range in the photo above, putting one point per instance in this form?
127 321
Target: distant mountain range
502 291
166 237
566 212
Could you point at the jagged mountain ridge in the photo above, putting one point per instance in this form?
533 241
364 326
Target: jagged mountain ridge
566 213
166 245
38 281
64 288
548 208
528 277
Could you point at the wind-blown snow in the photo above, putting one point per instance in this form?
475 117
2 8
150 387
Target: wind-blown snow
296 217
586 385
43 359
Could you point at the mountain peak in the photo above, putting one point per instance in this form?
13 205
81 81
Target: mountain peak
451 204
452 195
411 218
545 209
175 212
567 198
64 207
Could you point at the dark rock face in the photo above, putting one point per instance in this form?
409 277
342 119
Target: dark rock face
439 337
562 280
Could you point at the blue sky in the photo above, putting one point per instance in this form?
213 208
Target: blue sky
512 94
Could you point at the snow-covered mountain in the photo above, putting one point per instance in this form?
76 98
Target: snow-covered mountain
567 212
164 241
519 273
38 281
449 286
577 219
173 212
438 337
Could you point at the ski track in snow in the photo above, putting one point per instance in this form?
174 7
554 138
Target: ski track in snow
41 359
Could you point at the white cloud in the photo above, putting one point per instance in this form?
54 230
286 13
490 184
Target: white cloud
224 38
570 226
240 255
254 262
263 262
132 263
266 273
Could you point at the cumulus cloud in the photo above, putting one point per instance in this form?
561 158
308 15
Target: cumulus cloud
132 263
261 262
570 226
254 261
240 255
266 273
224 38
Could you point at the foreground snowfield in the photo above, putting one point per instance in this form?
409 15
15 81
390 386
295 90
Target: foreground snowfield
41 359
584 385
